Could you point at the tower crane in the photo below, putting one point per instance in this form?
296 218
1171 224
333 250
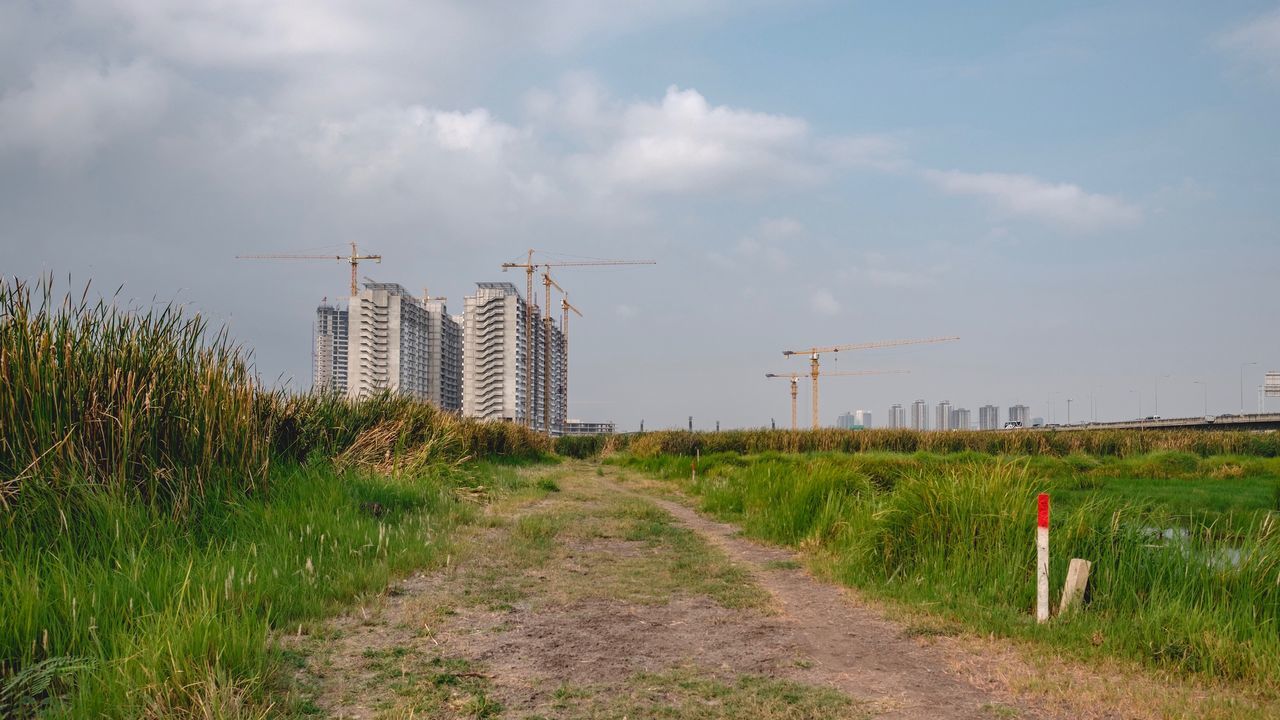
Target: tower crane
530 267
565 307
814 352
354 258
794 377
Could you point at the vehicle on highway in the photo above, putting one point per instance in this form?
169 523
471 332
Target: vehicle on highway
1013 425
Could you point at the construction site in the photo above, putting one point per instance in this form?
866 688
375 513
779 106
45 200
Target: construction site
505 357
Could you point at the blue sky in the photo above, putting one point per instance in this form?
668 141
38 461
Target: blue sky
1086 193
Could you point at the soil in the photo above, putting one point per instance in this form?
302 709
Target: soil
530 626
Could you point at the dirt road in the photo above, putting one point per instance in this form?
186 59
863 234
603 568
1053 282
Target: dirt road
598 600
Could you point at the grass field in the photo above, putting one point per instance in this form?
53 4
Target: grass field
1186 549
161 513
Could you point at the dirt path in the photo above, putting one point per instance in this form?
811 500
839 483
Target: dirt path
857 650
580 598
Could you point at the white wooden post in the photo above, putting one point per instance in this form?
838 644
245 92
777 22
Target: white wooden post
1042 558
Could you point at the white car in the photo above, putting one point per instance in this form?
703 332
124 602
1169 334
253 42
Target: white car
1013 425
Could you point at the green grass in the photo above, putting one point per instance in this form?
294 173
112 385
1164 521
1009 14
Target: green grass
1050 443
693 694
173 614
161 513
954 533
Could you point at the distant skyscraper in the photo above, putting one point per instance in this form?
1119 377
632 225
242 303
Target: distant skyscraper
1020 414
919 415
988 417
942 419
897 417
329 354
959 419
846 421
862 418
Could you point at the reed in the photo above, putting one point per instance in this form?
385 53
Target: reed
955 534
161 514
1058 443
94 398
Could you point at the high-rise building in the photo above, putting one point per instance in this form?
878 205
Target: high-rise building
846 421
897 417
493 353
959 419
988 417
444 356
919 415
1020 414
942 418
862 418
329 349
495 368
388 343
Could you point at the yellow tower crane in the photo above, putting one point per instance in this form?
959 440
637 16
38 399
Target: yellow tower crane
814 352
795 383
354 258
530 267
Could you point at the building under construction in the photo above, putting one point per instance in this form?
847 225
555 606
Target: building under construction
507 373
329 348
388 340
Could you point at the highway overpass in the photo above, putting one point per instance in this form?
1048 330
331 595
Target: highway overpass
1256 421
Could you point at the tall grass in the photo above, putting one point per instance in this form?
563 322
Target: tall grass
957 536
1107 443
93 398
161 514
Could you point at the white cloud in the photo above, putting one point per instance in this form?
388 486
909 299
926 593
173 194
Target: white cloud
685 144
875 271
761 248
70 109
1257 41
823 302
1061 204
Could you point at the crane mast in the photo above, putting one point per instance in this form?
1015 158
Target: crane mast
794 377
530 267
814 352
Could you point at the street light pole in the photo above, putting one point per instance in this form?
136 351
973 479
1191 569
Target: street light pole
1155 409
1068 411
1242 367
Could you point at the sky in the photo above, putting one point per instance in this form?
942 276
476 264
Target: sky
1087 193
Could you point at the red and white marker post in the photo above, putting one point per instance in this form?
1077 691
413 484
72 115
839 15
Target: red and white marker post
1042 559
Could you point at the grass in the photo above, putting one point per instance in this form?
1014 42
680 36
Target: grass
953 532
1054 443
161 513
693 694
175 614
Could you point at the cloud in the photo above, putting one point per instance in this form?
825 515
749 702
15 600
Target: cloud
71 108
1060 204
760 248
1256 41
875 271
685 143
823 302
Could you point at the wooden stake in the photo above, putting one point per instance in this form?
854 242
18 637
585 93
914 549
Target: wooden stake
1077 581
1042 558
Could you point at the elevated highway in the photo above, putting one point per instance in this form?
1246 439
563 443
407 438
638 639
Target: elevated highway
1255 421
